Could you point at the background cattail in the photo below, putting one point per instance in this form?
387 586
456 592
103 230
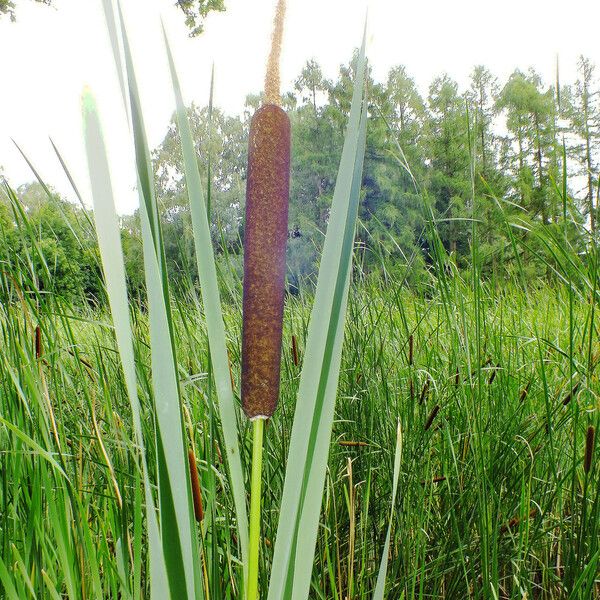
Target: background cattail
265 238
196 490
589 449
295 356
432 416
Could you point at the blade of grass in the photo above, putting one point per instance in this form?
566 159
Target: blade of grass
311 432
178 532
380 586
207 274
109 242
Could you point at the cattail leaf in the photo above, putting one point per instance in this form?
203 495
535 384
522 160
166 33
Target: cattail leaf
311 431
109 241
178 530
114 36
207 274
7 582
35 447
381 576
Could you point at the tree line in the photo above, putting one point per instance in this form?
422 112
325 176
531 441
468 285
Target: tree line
497 160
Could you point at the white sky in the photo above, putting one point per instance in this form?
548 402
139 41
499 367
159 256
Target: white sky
51 53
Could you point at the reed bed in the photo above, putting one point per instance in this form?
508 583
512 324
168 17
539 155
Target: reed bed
495 496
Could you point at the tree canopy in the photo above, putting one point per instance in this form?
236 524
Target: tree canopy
491 155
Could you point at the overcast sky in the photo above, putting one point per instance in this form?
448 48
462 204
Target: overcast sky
48 56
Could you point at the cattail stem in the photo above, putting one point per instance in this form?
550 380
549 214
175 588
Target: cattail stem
255 496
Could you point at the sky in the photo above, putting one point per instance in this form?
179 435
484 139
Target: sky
50 54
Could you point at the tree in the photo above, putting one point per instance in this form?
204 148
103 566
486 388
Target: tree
531 152
310 83
7 7
220 140
583 112
196 11
482 98
54 243
448 153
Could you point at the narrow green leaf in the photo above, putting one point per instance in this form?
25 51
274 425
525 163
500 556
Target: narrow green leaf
380 586
311 432
7 582
109 242
207 274
32 444
178 530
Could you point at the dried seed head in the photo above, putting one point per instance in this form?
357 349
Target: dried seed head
267 193
525 391
571 394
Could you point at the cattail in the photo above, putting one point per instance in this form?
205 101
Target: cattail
432 416
295 358
525 391
352 444
571 394
437 479
410 349
38 341
589 449
457 377
493 375
196 491
265 239
517 521
267 194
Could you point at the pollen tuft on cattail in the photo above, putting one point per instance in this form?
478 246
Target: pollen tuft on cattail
265 239
272 78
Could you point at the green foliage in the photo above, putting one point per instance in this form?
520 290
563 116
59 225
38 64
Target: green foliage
448 148
50 239
196 11
7 7
492 498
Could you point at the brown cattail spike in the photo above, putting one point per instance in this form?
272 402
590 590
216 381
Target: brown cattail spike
589 449
432 416
267 193
295 357
38 341
196 490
